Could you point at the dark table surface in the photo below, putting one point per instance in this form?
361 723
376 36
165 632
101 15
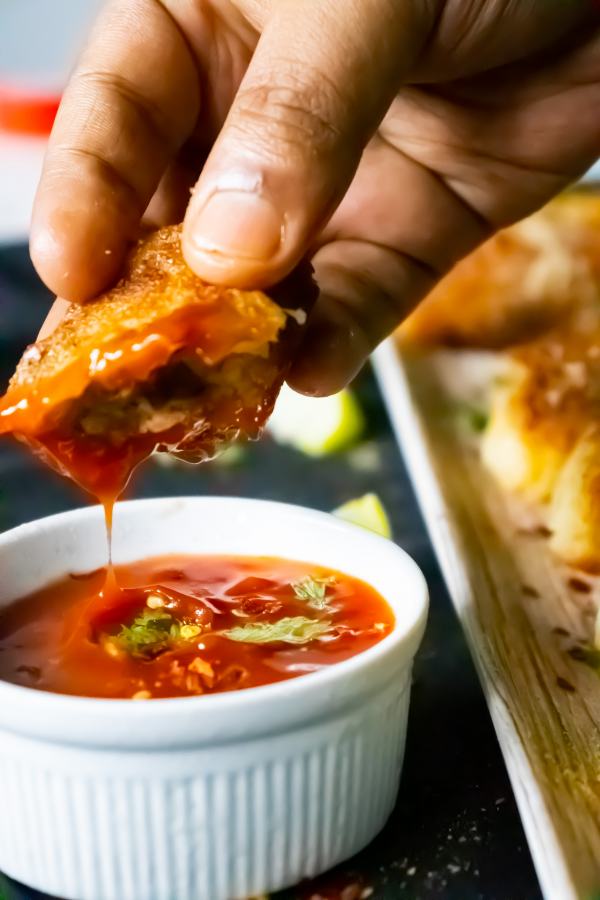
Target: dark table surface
455 832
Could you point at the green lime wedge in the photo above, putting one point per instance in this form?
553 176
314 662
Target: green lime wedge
368 512
316 425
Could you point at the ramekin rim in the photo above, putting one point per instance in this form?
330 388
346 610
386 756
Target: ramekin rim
167 709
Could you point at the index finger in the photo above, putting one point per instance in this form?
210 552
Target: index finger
131 103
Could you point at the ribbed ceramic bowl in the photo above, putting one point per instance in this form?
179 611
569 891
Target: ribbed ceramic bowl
209 798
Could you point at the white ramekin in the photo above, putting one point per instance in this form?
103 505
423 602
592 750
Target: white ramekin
209 798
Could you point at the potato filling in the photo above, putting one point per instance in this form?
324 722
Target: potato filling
169 398
186 392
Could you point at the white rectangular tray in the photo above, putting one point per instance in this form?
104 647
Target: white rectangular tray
520 613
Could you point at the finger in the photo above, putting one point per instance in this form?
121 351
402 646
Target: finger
369 286
510 139
366 290
170 200
474 38
403 205
121 120
313 95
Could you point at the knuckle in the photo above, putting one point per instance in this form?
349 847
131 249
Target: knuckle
115 87
290 112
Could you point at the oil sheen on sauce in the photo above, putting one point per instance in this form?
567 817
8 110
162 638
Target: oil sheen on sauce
188 625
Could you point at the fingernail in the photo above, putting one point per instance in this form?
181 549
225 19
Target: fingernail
53 319
237 224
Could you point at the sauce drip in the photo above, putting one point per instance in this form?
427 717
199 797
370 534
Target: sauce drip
187 625
101 470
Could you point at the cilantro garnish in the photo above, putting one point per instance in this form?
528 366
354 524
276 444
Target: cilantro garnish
475 419
151 632
290 630
313 590
478 420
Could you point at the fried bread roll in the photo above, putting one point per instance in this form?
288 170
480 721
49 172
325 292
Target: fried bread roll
521 282
574 517
543 435
541 407
162 361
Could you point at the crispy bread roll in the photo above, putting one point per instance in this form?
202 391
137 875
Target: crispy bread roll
574 517
521 282
539 411
162 361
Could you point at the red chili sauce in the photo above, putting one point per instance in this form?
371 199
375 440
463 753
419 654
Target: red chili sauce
188 625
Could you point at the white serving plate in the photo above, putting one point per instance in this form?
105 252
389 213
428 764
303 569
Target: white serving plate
216 797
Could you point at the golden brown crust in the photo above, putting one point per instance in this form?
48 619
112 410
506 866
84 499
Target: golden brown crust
158 307
156 286
519 283
162 361
549 396
535 290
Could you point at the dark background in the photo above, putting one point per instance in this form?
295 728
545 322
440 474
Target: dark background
455 832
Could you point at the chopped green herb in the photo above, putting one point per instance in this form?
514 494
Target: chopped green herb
151 632
313 590
475 419
290 630
478 420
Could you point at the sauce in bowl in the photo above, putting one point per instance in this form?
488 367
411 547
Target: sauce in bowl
188 625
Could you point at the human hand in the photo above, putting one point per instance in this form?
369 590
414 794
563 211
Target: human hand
384 139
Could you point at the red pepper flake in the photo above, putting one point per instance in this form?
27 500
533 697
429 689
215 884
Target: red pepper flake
565 685
578 584
232 678
257 606
201 667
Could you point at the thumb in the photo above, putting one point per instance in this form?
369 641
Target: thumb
318 85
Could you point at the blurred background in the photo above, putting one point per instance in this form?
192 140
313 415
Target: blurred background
39 42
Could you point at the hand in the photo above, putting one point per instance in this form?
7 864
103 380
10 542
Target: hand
386 139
